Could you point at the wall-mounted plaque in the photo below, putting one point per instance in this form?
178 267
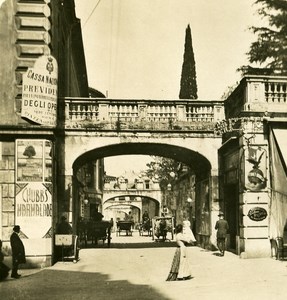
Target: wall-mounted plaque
257 214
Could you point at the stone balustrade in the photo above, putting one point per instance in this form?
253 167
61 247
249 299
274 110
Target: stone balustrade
102 113
275 92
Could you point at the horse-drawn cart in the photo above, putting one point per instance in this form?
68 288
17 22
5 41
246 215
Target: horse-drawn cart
145 227
124 226
68 246
162 227
94 231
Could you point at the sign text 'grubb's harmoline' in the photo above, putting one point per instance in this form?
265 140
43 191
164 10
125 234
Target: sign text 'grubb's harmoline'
35 203
34 209
39 92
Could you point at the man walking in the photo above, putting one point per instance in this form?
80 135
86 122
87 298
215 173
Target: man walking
221 226
18 251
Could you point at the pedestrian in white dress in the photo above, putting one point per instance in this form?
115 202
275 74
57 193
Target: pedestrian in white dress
187 232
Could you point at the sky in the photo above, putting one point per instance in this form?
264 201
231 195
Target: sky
134 49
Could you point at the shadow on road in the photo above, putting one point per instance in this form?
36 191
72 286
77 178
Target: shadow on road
166 244
54 284
142 245
217 254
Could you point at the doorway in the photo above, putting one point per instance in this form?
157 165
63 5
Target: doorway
231 212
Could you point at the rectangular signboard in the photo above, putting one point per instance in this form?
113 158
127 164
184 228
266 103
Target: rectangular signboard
33 210
33 161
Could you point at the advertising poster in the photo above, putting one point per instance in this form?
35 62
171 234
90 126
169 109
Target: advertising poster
34 161
39 92
34 210
33 207
29 161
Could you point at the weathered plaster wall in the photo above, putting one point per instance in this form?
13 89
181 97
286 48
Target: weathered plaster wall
8 89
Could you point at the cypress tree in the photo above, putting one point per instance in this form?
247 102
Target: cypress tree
188 85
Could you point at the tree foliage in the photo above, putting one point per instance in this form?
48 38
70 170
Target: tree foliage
188 85
271 45
162 168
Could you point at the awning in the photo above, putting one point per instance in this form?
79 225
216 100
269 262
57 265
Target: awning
278 171
281 141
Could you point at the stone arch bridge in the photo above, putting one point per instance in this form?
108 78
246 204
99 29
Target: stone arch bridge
181 130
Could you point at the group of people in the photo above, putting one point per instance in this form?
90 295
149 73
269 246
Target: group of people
18 255
180 269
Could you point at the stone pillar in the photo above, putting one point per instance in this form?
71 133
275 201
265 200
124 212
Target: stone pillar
254 241
103 112
181 112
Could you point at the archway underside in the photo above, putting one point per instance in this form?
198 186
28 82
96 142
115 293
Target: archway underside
189 157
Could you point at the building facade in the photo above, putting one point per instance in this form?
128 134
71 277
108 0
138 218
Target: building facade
35 37
252 161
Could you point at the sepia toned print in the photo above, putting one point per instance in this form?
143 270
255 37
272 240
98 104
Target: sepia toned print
143 149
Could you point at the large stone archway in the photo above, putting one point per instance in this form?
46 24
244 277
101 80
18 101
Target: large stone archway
196 150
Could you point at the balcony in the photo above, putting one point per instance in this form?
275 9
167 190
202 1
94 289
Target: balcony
258 95
128 114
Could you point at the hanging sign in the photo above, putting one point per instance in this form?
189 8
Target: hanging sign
255 169
39 92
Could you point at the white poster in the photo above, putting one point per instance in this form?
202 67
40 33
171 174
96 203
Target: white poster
39 92
34 210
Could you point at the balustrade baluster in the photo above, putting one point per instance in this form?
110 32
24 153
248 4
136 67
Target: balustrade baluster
93 115
173 111
155 113
125 112
129 115
76 107
189 113
166 113
281 93
268 92
194 117
80 112
71 111
276 96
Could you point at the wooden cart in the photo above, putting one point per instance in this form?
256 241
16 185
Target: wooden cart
69 245
161 227
95 231
125 226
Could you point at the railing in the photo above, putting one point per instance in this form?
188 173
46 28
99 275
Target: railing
258 94
118 114
275 92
